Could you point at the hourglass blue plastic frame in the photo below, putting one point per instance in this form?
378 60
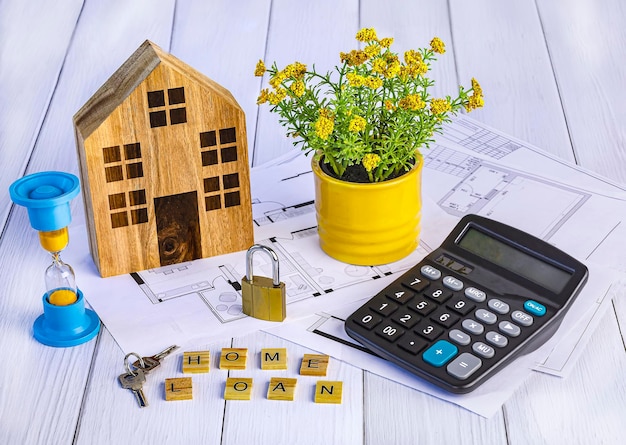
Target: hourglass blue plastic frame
47 196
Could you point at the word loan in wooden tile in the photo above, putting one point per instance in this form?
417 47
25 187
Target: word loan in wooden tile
240 388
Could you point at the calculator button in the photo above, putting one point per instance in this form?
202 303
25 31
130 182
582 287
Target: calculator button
485 351
510 329
464 366
498 306
430 272
406 319
459 337
423 306
440 353
428 330
399 294
389 332
522 318
412 343
535 308
439 295
444 317
475 294
452 283
460 305
416 283
473 327
368 320
484 316
385 308
496 339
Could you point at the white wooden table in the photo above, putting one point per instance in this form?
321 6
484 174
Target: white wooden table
553 74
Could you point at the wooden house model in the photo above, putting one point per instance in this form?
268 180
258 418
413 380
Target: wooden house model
163 160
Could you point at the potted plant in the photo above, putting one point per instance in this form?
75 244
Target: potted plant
366 122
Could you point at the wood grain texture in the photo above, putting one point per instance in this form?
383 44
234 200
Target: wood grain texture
512 63
224 40
586 48
552 75
30 64
182 129
311 33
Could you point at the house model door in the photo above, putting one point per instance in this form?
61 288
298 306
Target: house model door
178 228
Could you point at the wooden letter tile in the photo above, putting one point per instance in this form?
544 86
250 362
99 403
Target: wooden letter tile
178 389
327 391
314 364
281 388
238 388
274 358
233 358
196 362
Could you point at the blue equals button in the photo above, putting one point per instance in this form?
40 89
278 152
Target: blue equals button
535 308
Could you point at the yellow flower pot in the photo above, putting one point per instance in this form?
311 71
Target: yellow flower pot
368 223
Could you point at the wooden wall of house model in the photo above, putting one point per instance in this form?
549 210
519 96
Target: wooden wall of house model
164 166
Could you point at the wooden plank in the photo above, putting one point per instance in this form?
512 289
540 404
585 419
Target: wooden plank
421 418
111 414
587 406
586 44
56 382
311 33
301 420
507 53
34 37
205 36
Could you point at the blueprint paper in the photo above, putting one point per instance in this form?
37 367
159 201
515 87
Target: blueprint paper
470 169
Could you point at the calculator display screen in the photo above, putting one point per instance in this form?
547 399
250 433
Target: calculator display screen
514 260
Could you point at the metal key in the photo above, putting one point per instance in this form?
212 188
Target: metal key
134 381
152 362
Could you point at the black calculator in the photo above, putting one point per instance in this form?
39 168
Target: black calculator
488 294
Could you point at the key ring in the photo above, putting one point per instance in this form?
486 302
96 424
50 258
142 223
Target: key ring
127 362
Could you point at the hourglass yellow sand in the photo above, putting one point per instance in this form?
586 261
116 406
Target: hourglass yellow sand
65 321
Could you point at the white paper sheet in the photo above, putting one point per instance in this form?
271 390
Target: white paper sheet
471 168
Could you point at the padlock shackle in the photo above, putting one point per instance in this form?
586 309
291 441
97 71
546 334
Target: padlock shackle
273 257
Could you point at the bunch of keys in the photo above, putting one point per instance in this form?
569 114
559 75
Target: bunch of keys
134 379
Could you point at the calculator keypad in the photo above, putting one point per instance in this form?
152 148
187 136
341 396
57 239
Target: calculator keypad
443 325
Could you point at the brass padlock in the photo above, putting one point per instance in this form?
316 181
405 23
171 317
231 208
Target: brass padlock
263 297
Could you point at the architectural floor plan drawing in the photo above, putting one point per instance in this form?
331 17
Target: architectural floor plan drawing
306 271
491 190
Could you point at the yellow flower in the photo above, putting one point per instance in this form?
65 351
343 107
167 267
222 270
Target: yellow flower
296 70
389 105
373 82
277 79
354 57
437 45
411 102
386 42
379 66
275 97
474 102
357 124
263 97
412 57
372 50
260 68
366 35
439 106
478 91
355 80
297 88
325 124
370 161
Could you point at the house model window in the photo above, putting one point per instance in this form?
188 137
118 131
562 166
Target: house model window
164 166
